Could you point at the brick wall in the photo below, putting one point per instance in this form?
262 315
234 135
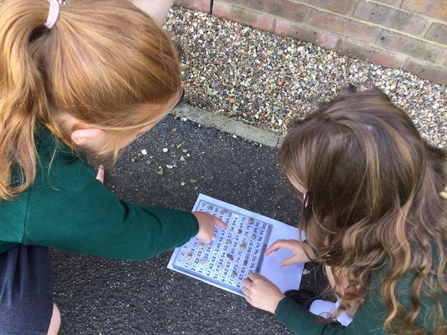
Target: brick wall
407 34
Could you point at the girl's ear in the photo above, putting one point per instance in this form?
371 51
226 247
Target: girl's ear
82 136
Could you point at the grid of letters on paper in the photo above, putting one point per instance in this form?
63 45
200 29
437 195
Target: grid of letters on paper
231 255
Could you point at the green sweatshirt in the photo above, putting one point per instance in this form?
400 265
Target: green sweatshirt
68 209
370 316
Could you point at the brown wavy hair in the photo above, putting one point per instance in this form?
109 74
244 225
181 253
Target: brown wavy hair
104 62
373 202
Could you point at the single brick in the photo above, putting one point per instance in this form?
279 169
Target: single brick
241 15
234 2
437 33
343 26
390 17
283 8
371 54
389 2
306 33
410 46
337 6
433 8
428 71
198 5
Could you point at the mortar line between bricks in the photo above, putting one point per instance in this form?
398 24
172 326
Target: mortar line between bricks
232 127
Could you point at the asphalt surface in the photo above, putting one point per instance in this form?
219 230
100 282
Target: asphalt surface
104 296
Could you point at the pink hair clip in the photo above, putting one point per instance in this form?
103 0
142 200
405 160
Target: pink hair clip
53 14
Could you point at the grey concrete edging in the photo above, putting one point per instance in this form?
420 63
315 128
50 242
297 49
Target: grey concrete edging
208 119
245 131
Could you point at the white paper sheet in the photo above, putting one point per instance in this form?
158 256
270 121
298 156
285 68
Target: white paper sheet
325 308
237 250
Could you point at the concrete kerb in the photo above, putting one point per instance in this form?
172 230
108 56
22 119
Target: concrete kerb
208 119
232 127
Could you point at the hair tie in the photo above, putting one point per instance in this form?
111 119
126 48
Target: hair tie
53 14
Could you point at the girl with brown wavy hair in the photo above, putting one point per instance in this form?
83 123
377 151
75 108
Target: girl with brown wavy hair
375 213
89 76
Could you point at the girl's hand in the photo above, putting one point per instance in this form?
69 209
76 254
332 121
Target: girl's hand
156 9
297 247
207 222
261 292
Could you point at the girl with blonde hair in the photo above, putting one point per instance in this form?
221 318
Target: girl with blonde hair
78 83
375 213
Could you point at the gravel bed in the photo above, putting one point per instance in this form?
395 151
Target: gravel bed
265 80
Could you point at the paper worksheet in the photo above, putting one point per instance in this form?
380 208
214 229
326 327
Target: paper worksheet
237 250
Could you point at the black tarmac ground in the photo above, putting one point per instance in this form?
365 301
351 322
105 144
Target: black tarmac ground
104 296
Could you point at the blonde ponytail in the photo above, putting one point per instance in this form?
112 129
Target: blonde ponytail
22 94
